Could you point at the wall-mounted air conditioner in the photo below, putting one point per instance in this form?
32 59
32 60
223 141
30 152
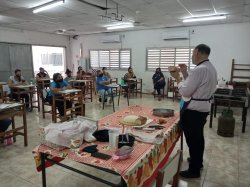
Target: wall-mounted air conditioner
176 35
111 39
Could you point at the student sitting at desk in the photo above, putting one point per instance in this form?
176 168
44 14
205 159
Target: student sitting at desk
58 84
68 76
43 74
18 79
101 82
80 73
130 84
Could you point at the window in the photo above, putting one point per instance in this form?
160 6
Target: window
110 58
165 57
52 59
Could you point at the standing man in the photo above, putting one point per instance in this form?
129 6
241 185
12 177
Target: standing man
196 90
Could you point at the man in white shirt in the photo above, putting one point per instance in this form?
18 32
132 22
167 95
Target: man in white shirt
196 90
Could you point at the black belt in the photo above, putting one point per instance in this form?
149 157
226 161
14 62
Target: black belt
194 99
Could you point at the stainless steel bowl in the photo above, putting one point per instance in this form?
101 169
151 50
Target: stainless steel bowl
162 112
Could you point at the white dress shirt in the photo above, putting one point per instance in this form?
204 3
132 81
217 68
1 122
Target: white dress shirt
200 84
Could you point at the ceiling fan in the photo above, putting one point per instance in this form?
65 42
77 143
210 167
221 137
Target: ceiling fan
95 5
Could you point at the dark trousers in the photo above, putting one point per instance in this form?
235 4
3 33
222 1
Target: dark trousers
158 86
128 86
26 98
4 124
59 105
193 125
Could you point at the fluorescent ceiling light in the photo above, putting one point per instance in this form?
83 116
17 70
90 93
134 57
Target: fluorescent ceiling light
48 6
204 18
119 26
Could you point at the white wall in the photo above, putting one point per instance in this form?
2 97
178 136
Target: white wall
227 41
36 38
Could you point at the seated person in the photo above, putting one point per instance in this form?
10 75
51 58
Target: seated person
158 80
43 74
58 84
105 73
80 73
68 76
129 84
101 82
4 123
18 79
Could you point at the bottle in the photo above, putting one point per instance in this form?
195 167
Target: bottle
31 81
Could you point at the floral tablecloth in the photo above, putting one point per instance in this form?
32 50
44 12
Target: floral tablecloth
138 170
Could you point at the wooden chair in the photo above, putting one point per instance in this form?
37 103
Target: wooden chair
105 98
170 171
240 72
3 94
162 93
45 103
138 87
115 81
172 88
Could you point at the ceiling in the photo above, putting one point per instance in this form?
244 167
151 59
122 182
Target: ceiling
75 17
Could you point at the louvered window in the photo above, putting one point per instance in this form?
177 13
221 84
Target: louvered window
110 58
165 57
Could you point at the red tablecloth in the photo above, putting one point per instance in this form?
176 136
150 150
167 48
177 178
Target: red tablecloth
145 160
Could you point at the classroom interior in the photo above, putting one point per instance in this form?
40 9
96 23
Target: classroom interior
76 34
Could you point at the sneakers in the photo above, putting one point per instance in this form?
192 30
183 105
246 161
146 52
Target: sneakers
189 175
110 101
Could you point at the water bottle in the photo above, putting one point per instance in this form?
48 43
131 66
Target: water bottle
31 81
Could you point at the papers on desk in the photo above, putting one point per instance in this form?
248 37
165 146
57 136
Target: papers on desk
8 105
113 85
69 91
23 86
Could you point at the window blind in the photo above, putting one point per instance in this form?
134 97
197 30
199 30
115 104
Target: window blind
165 57
110 58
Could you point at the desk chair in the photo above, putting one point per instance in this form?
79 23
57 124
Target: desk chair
172 88
162 90
45 103
170 171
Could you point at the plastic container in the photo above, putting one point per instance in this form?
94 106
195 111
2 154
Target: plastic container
113 138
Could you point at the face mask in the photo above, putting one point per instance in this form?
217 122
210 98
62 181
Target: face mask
60 80
18 75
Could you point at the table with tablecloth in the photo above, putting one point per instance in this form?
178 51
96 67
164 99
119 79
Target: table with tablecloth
146 159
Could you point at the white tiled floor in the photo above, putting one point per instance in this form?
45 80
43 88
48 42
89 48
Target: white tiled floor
226 160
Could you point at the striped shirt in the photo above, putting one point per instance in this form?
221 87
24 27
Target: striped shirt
200 84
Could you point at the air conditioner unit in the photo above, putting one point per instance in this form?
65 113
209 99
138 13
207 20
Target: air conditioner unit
175 35
111 39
